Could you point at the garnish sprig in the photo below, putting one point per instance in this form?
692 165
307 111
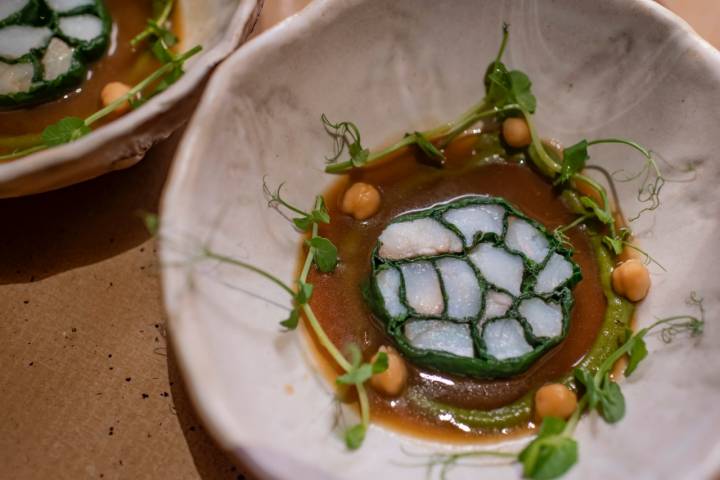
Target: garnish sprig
70 129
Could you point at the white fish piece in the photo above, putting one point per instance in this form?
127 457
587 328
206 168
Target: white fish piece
424 236
388 281
505 338
441 336
544 318
464 296
15 78
81 27
475 219
18 40
422 288
523 237
499 267
11 7
57 59
555 273
496 304
67 5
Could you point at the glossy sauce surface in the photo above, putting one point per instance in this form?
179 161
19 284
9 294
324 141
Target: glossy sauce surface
407 184
121 63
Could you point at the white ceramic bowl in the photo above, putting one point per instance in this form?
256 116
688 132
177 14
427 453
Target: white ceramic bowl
220 26
617 67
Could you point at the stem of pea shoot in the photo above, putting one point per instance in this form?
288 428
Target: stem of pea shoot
159 21
156 75
310 315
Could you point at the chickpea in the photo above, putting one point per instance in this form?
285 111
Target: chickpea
555 400
111 92
392 381
631 279
361 200
516 132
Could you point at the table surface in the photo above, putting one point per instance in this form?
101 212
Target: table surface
89 386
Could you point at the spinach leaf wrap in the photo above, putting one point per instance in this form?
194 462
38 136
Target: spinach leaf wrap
46 46
472 287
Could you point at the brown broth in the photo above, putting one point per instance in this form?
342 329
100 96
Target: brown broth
407 184
121 63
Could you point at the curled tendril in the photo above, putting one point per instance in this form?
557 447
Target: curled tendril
651 184
343 134
276 201
677 325
273 198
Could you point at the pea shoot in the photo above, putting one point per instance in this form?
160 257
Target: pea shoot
508 93
321 254
554 451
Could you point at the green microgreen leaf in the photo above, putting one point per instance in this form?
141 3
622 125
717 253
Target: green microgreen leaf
551 454
574 159
504 87
292 322
603 394
354 436
320 213
161 51
356 376
361 372
355 355
520 86
381 363
612 400
156 27
326 254
304 292
358 155
638 352
66 130
591 389
551 426
302 223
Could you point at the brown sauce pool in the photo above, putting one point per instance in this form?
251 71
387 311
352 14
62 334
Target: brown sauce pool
120 63
407 184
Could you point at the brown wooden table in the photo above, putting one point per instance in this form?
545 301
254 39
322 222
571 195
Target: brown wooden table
88 387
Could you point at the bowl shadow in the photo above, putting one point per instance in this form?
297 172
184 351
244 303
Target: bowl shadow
49 233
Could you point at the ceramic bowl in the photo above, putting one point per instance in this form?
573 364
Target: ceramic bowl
220 26
612 68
